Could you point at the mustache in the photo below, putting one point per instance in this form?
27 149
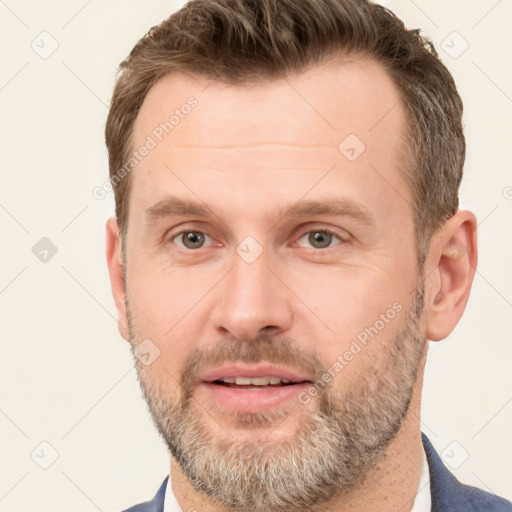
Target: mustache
278 351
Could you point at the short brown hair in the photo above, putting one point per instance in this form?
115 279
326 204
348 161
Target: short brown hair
243 41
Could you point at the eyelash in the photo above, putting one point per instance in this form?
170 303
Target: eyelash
320 230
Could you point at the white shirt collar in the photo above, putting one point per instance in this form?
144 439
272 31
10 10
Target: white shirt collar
422 503
170 503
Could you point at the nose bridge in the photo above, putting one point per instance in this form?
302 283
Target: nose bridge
252 298
248 283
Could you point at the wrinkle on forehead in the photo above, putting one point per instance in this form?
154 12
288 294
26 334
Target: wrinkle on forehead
314 108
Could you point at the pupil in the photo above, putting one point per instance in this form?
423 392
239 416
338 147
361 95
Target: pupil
320 239
193 240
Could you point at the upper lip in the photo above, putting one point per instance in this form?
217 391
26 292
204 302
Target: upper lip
253 371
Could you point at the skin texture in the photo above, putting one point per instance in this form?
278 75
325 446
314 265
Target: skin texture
250 154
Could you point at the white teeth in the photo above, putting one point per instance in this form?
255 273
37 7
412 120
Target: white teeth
242 381
260 381
255 381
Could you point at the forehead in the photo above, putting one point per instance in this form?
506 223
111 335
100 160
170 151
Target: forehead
343 93
267 133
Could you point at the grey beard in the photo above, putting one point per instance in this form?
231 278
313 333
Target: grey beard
335 446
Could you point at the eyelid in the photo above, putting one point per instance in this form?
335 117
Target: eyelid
186 226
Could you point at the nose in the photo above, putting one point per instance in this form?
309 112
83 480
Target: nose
252 301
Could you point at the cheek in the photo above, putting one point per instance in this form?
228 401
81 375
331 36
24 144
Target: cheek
172 308
160 298
160 386
353 315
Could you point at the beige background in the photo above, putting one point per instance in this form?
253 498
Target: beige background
67 376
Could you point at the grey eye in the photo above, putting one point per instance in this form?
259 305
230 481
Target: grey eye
192 239
320 239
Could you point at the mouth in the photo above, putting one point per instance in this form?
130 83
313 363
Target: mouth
254 382
253 388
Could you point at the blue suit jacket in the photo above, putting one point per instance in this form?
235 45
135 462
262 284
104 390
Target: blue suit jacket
448 494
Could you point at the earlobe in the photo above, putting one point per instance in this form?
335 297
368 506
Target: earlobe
452 258
115 270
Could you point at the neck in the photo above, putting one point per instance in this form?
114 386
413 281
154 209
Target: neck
389 486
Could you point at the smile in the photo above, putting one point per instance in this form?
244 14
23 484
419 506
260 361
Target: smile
254 388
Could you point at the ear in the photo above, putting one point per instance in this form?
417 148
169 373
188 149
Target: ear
451 267
115 269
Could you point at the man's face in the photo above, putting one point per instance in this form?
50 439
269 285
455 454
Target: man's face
271 283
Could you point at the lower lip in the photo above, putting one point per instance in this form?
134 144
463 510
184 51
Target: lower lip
253 399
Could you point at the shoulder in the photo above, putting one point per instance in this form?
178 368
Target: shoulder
155 505
449 495
483 501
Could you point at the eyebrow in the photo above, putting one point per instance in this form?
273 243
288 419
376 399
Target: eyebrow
172 206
